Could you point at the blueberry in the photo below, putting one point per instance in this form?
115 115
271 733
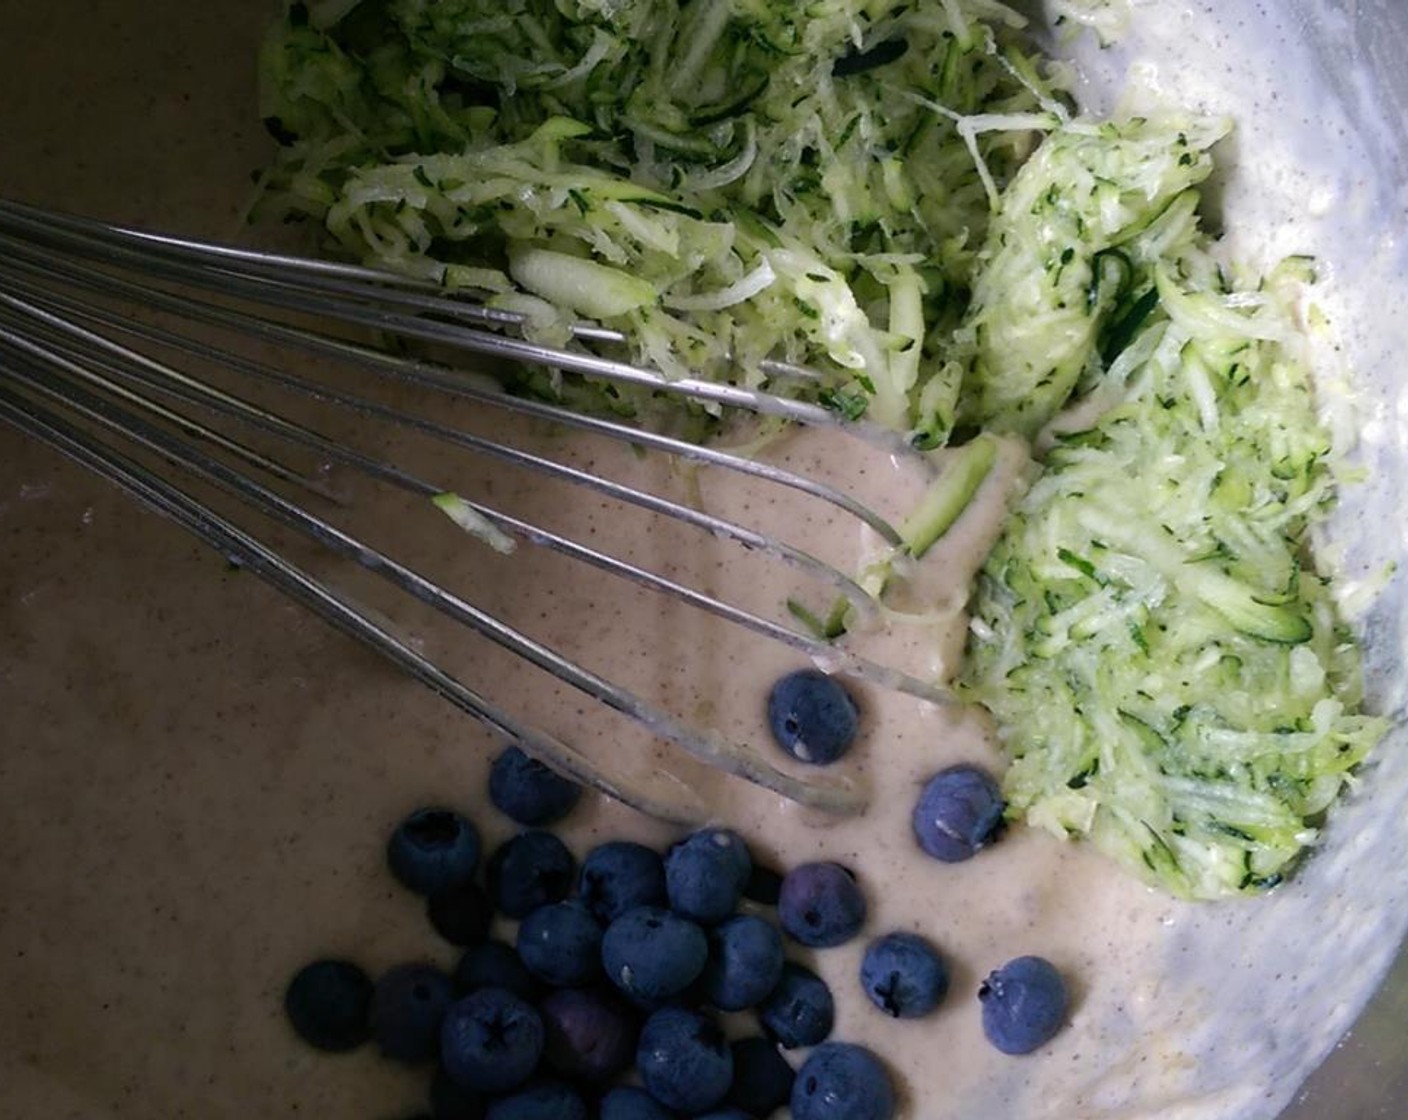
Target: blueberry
903 975
619 876
800 1010
528 871
727 1114
821 905
652 954
432 850
491 1041
460 914
1024 1005
812 717
684 1060
542 1100
762 1079
328 1002
527 791
839 1081
590 1034
493 964
449 1101
627 1102
705 874
959 812
408 1006
561 944
745 962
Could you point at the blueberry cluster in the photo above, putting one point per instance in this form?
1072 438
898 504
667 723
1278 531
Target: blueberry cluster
958 813
607 1004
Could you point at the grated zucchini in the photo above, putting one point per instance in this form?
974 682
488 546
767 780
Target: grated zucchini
1162 657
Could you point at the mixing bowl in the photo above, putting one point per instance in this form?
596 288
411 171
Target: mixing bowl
194 780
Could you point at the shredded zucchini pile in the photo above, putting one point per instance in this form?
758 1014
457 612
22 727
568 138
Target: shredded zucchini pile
725 180
897 195
1164 662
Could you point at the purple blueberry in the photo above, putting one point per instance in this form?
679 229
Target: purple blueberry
560 944
705 874
328 1003
491 1041
619 876
407 1008
1024 1005
684 1060
590 1034
528 871
493 964
745 962
839 1081
821 905
812 717
903 975
433 850
527 791
800 1010
958 813
652 954
762 1079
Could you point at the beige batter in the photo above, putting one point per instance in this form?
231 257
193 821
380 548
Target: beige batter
197 778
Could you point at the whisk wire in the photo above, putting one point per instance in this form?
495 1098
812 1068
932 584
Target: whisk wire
58 346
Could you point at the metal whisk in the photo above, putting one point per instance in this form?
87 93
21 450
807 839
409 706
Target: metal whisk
77 371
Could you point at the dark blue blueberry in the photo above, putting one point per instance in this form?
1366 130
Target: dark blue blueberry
764 885
800 1010
652 954
542 1100
684 1060
328 1003
821 905
903 975
491 1041
762 1079
493 964
620 876
449 1101
433 850
529 792
812 717
560 944
959 812
839 1081
591 1034
408 1006
1024 1005
528 871
745 962
727 1114
630 1103
461 914
705 874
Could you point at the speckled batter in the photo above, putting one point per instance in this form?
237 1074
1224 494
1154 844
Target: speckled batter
197 778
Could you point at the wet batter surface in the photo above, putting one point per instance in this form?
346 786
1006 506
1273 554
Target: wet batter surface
198 778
